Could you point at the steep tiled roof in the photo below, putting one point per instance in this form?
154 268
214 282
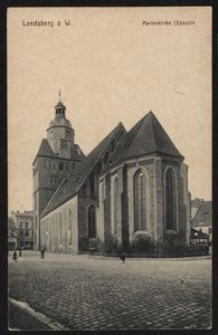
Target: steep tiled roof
77 152
146 137
97 154
71 184
64 192
45 150
203 216
196 203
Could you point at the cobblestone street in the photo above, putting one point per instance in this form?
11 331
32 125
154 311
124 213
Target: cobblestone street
87 293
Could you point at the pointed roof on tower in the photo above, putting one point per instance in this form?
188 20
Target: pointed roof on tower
60 119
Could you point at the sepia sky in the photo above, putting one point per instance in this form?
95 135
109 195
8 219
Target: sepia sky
110 67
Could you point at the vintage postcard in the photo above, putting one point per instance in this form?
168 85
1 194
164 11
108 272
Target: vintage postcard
109 165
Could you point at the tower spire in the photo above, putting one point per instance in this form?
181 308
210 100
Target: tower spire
59 93
60 108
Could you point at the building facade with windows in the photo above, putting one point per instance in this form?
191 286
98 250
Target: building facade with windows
199 238
201 216
133 183
23 222
12 234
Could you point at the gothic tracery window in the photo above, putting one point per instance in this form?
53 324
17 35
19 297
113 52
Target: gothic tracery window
170 200
140 201
70 219
116 202
61 166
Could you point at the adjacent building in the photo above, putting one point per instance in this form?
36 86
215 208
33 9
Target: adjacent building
201 216
199 238
132 183
23 223
12 234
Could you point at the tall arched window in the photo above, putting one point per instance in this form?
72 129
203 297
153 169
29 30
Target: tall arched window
70 219
116 203
170 200
60 229
61 166
91 222
140 201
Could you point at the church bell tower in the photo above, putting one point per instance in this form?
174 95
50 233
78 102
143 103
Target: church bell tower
57 157
60 134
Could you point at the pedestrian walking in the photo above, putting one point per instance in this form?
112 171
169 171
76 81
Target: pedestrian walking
42 253
123 257
15 256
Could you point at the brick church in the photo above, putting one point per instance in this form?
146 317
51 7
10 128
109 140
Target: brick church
131 183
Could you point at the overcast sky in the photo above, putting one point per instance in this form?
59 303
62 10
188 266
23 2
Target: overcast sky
110 68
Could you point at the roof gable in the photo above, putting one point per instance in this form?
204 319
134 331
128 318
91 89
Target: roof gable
97 154
45 150
203 215
77 152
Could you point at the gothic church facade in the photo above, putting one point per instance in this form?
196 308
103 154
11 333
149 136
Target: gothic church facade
133 183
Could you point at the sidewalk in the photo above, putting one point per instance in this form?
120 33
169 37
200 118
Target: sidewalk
19 318
52 255
22 316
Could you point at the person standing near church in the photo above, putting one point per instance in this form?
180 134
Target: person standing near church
15 256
